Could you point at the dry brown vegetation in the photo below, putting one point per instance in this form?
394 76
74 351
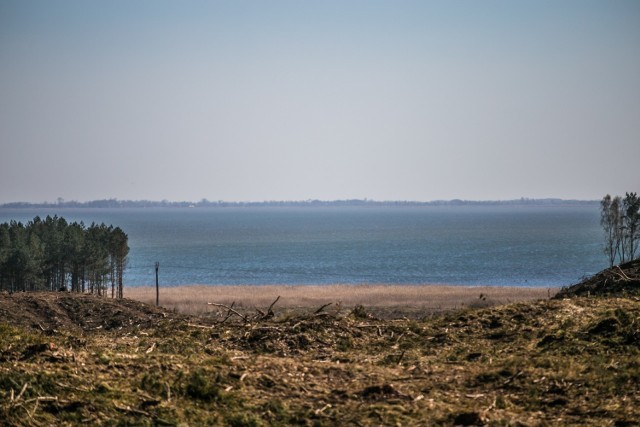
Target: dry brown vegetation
383 300
621 279
70 359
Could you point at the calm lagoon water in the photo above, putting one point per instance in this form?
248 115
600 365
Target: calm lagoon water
466 245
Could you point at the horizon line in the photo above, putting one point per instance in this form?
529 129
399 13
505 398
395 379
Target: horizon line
204 201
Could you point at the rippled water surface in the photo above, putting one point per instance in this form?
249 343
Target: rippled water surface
469 245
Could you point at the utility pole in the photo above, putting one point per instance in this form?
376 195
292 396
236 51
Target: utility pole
157 287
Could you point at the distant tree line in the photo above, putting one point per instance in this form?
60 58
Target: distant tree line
204 203
620 219
52 254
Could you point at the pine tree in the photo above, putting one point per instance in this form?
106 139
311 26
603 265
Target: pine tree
52 253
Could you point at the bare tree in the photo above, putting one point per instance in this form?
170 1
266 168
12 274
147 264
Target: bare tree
620 219
631 225
618 228
610 219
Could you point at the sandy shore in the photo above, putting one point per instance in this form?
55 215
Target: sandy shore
391 300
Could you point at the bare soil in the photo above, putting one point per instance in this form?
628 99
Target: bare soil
76 313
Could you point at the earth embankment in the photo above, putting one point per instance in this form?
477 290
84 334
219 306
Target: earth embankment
623 279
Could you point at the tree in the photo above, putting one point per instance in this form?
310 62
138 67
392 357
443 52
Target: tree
5 248
631 225
118 251
610 222
620 219
51 253
51 233
23 265
33 279
97 257
74 253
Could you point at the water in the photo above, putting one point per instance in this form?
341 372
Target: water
466 245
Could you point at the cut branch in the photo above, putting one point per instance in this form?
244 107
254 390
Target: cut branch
130 409
24 387
622 274
231 310
270 311
322 307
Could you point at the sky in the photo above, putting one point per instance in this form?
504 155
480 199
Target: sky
294 100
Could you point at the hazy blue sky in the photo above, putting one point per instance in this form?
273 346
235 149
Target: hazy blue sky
266 100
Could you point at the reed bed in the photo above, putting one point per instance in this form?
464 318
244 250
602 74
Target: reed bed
193 299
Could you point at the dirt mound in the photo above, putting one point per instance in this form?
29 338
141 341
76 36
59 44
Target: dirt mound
618 280
61 311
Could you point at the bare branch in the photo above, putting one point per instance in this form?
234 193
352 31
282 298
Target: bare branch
231 310
270 311
322 308
624 276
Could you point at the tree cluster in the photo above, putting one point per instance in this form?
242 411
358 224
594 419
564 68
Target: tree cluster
620 219
52 254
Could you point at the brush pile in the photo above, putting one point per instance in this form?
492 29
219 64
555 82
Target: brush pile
619 280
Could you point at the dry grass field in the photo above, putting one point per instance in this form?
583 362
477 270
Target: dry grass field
383 300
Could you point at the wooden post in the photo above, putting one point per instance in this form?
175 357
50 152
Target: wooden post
157 287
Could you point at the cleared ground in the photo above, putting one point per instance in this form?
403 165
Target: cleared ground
81 360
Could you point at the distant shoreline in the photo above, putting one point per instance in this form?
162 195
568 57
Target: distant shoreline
115 203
